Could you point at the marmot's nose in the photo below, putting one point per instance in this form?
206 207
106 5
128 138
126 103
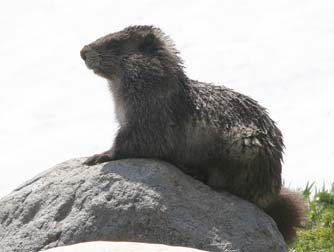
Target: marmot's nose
84 51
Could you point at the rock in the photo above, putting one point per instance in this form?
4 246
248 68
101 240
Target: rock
121 247
135 200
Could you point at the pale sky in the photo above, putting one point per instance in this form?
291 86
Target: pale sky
52 108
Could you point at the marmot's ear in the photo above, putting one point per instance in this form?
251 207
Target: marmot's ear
149 43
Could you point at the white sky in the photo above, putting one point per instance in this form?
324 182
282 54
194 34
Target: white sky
52 108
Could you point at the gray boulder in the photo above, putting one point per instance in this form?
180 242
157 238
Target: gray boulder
135 200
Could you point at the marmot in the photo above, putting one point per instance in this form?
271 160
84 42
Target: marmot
217 135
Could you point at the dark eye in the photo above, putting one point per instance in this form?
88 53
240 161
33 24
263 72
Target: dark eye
113 45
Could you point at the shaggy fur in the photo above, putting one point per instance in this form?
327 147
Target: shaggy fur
217 135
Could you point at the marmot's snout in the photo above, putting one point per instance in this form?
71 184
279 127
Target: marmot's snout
91 57
83 51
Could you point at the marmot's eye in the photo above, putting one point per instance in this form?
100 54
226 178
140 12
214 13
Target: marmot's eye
114 44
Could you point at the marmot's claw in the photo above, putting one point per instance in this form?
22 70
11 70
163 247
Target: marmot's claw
97 159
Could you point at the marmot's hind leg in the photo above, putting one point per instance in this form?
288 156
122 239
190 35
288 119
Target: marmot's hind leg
251 171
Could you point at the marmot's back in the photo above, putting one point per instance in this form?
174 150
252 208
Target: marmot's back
228 109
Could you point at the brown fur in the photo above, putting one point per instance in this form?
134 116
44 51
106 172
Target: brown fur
217 135
288 211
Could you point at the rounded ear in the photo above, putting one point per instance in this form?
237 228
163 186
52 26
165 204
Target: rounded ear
149 43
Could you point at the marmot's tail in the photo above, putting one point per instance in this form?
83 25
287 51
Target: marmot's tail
288 211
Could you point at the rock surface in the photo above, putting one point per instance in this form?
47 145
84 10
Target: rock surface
134 200
101 246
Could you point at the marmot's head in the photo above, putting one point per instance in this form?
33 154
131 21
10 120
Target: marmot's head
136 53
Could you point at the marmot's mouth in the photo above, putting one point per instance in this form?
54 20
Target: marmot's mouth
92 63
101 73
97 71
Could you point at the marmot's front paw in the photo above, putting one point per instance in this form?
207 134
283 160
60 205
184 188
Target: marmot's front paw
98 158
